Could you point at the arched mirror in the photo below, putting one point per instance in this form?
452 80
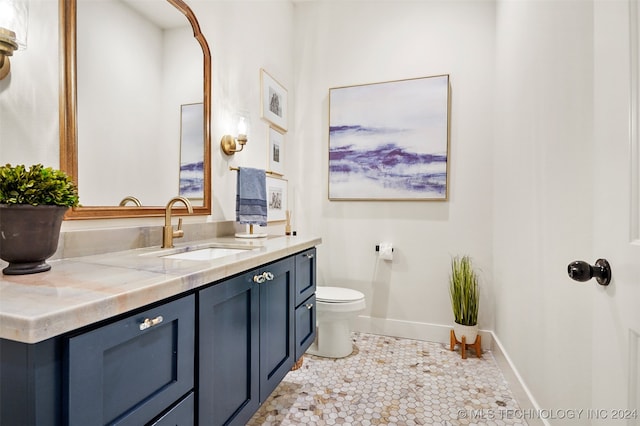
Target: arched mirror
135 106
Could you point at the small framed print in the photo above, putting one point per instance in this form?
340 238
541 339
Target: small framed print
277 199
276 151
274 101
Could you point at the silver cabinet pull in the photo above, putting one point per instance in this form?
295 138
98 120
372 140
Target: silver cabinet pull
309 305
148 322
265 276
310 256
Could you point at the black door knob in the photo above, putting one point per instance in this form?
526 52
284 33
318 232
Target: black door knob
582 271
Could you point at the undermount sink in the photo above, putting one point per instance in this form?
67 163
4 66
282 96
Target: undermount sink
208 253
202 251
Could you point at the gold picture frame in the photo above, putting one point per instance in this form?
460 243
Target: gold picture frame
390 141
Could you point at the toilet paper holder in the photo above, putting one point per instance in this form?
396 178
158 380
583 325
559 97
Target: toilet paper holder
378 248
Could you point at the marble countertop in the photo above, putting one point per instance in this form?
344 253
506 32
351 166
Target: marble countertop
80 291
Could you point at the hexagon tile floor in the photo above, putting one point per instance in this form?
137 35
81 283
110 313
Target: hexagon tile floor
392 381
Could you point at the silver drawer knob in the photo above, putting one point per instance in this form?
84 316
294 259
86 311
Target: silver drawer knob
148 322
265 276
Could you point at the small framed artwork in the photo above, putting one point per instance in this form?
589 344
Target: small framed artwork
390 141
191 152
273 101
277 199
276 151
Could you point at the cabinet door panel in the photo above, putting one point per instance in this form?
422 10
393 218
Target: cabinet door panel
277 348
305 325
229 345
125 374
305 275
180 415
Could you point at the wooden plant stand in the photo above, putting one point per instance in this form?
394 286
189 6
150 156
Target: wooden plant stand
477 345
298 363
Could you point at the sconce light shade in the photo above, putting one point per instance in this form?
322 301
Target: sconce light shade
14 20
229 143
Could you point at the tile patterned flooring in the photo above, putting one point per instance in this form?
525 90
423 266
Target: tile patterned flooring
393 381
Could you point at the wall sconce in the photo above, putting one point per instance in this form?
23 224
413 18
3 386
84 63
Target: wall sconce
14 19
228 142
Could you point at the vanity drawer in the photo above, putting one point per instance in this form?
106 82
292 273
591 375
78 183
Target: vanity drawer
305 275
305 325
130 371
182 414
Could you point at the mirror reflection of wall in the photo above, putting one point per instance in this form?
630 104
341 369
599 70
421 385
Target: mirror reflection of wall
133 74
191 161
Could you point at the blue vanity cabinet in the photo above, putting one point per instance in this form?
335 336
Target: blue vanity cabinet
277 349
305 311
30 383
210 356
246 327
182 414
229 351
305 325
305 275
130 371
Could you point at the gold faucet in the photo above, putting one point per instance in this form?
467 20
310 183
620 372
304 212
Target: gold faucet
168 234
131 198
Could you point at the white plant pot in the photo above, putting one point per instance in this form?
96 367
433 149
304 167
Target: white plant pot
469 331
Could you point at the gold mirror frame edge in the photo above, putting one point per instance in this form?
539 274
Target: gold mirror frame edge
68 110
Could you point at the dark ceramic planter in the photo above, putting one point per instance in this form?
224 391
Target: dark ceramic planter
29 236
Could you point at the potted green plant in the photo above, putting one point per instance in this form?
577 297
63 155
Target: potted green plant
465 298
33 202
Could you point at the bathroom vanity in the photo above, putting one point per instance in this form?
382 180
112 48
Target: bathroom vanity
139 337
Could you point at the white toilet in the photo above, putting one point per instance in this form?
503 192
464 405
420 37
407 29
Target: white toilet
335 306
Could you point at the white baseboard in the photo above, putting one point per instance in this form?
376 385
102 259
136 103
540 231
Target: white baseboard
440 333
411 330
517 385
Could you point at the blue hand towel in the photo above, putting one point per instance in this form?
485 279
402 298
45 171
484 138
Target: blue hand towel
251 196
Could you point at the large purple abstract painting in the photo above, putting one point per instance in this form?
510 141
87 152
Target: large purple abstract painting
389 141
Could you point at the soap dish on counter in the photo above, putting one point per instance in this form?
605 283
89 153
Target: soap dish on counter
250 235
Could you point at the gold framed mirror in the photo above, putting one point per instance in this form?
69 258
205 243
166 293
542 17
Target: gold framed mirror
160 158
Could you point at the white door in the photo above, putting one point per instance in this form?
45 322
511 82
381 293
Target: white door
616 340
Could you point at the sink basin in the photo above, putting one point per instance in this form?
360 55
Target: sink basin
208 253
202 250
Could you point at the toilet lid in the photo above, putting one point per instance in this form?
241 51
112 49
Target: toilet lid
337 294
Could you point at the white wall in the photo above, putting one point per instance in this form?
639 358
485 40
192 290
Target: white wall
243 37
350 43
119 90
542 195
29 130
137 77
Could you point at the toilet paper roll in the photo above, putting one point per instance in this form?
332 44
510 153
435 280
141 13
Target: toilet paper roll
386 251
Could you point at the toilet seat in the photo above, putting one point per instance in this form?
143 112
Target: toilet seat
337 295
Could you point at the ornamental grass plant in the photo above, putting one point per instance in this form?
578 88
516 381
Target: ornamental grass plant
463 291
